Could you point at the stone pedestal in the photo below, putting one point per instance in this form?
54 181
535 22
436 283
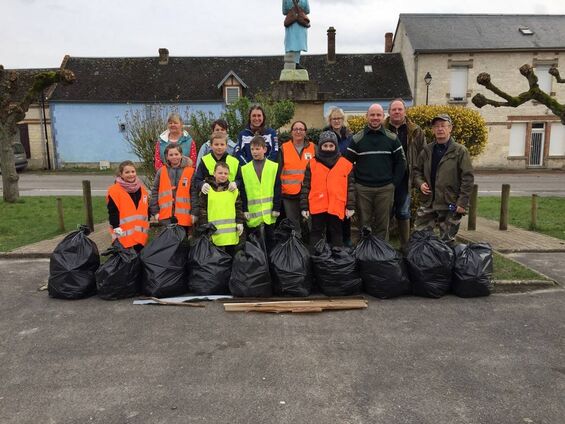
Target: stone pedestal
295 90
294 75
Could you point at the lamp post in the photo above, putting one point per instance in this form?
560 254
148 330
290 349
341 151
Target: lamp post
428 81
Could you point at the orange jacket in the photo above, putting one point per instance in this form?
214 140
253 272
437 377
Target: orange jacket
294 166
133 221
182 199
328 188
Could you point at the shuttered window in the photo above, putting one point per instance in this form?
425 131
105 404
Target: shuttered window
517 145
458 86
557 140
544 77
232 95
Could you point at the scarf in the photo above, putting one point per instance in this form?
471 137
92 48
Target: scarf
328 159
129 187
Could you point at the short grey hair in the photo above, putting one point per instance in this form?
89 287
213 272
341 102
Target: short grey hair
174 116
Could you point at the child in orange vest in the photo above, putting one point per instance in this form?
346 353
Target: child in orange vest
128 205
170 196
328 191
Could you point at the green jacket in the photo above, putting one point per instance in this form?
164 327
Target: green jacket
454 178
416 141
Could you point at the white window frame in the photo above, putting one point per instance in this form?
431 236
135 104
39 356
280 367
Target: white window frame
545 79
228 89
457 87
557 139
517 140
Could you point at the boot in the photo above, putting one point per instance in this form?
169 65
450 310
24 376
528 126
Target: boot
403 234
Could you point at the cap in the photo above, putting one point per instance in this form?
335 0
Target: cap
442 117
327 137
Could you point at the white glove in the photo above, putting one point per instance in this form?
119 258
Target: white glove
119 232
247 215
232 186
275 214
205 188
349 213
239 229
156 216
194 219
305 214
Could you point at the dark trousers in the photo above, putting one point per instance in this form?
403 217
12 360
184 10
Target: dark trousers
330 225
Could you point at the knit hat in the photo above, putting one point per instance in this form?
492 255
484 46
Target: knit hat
327 137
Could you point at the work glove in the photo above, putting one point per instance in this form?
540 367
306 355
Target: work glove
205 188
232 186
118 232
194 219
156 216
349 213
247 215
239 229
305 214
275 214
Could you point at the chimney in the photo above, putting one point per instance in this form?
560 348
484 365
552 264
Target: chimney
331 45
163 56
388 42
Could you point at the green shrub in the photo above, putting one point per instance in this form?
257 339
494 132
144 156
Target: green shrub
356 123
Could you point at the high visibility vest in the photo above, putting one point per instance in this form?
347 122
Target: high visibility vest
328 187
260 193
181 202
221 213
294 167
210 163
133 220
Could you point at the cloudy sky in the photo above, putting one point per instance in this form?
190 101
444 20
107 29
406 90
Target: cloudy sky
38 33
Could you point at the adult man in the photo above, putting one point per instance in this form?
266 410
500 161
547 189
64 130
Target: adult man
413 140
444 176
379 167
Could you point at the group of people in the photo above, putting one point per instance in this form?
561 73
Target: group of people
254 181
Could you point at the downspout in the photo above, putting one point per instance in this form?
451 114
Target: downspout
44 117
415 79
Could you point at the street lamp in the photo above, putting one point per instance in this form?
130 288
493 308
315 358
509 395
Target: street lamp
428 81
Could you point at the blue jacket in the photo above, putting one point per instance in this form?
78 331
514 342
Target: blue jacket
185 142
243 149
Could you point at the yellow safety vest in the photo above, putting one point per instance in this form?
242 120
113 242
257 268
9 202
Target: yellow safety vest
221 213
260 193
210 163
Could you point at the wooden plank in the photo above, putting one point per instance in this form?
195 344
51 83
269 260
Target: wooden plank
297 306
169 303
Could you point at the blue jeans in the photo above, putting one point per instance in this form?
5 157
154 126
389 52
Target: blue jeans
401 205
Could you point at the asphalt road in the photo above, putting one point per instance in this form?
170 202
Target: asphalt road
522 184
499 360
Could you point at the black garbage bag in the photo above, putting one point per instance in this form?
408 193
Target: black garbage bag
210 267
283 230
120 276
250 270
472 272
381 267
335 270
72 266
430 264
290 263
164 263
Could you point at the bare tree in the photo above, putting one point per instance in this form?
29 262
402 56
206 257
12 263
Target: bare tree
13 110
534 93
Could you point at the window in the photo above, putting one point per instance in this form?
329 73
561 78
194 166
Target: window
232 95
458 86
544 77
557 140
517 145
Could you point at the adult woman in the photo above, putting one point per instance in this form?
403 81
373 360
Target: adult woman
174 134
256 122
295 155
295 35
219 125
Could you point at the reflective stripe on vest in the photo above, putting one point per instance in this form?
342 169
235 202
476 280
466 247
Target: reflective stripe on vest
294 167
260 193
221 213
133 220
182 206
210 163
328 187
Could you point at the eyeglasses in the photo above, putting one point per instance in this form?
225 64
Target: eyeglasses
298 130
337 119
441 126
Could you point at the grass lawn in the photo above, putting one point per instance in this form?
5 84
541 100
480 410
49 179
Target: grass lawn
506 269
34 219
551 219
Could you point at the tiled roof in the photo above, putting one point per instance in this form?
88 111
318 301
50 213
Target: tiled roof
189 79
439 32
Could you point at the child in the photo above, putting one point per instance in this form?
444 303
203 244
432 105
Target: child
220 125
222 208
261 198
170 196
328 194
128 205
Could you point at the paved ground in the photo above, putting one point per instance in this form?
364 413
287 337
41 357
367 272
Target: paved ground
550 264
411 360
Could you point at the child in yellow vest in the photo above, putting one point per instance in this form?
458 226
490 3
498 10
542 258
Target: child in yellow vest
222 207
170 196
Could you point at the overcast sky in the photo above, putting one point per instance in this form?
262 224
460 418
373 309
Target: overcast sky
38 33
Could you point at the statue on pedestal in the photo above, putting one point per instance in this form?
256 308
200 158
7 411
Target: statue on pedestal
296 31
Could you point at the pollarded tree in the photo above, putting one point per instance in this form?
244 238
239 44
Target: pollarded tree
13 110
534 92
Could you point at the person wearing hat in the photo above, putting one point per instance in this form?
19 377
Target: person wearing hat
444 176
328 192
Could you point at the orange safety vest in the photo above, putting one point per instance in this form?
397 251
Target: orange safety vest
181 201
294 167
328 187
133 221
